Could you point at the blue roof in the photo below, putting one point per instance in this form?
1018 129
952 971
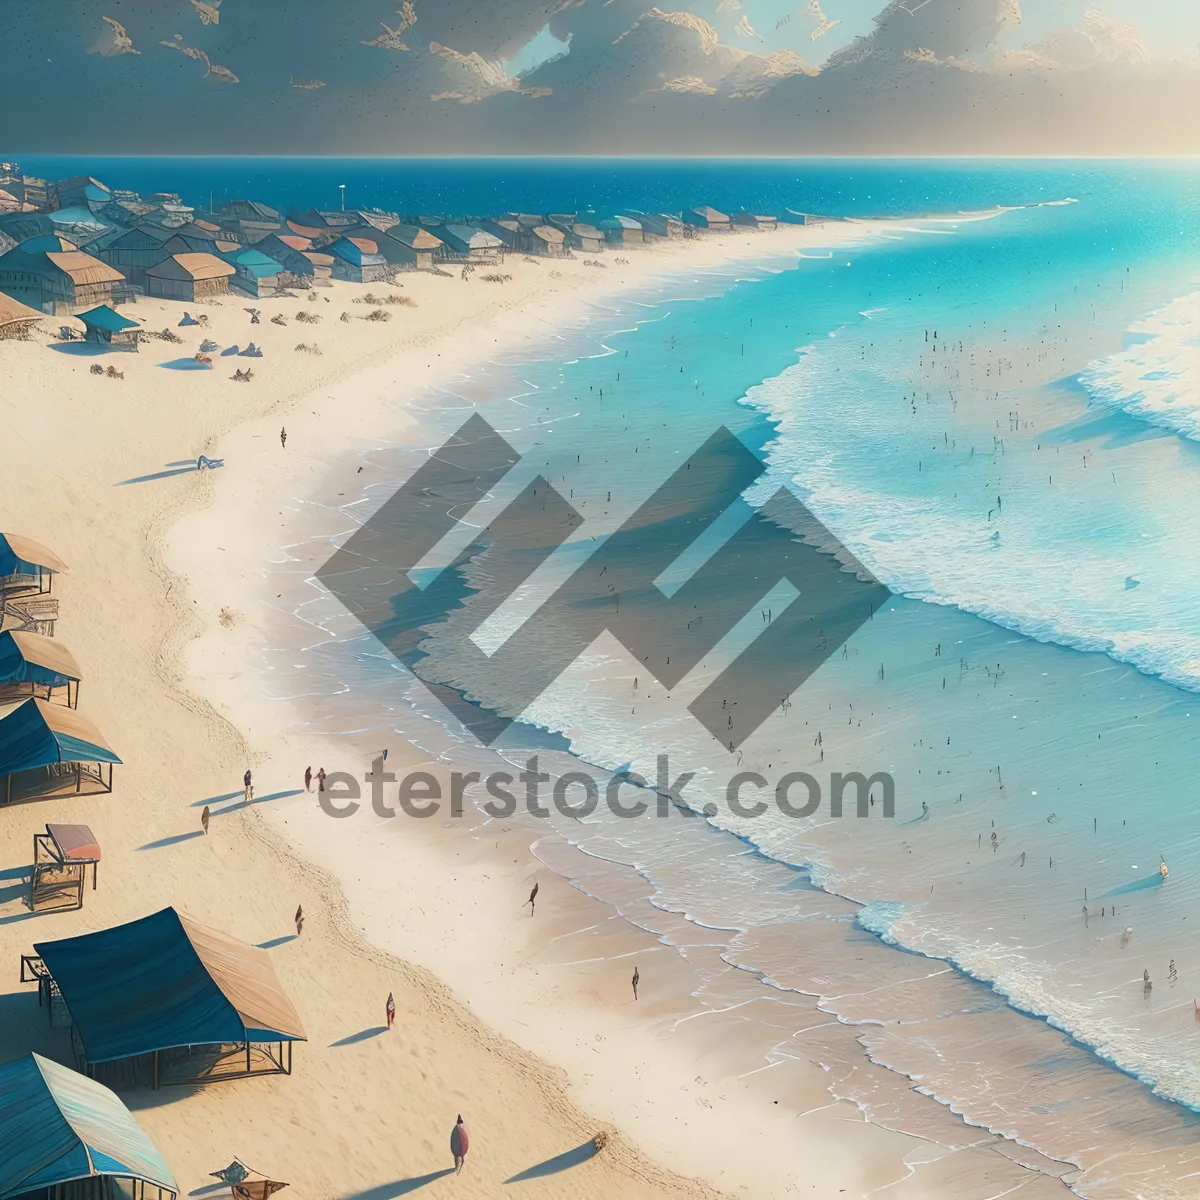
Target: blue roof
165 981
57 1126
104 317
254 262
36 734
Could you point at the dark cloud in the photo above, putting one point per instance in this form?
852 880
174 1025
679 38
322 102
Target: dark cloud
927 79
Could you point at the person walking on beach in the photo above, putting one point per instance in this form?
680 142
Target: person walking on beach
308 779
636 980
248 785
391 1010
283 437
459 1144
204 815
299 919
321 780
532 899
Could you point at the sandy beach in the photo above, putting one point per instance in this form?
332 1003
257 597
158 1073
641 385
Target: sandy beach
499 1016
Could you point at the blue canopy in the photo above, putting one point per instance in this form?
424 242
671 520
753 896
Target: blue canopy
36 734
166 981
108 319
57 1126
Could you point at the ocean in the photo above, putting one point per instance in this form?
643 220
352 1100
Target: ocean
998 415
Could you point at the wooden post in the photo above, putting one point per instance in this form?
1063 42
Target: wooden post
156 1070
247 1057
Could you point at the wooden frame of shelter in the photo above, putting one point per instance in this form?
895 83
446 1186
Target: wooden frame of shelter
166 1000
51 750
31 661
27 567
61 857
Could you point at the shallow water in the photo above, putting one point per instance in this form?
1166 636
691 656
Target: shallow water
965 406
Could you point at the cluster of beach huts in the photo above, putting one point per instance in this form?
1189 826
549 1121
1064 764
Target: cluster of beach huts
159 1000
77 244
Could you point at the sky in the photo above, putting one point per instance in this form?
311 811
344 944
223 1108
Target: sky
464 77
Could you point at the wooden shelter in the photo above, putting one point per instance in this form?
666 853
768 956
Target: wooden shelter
165 999
61 857
32 664
50 274
132 251
621 230
465 243
195 276
358 260
287 249
66 1137
26 566
17 320
754 220
410 246
104 326
50 750
706 218
548 241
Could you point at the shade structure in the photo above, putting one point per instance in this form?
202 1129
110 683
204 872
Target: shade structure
167 981
75 843
108 319
32 658
23 556
36 734
57 1126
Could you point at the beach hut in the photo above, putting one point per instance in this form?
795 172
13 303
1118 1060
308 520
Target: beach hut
411 246
706 218
61 857
510 231
81 191
134 250
49 750
250 219
580 235
17 320
321 264
105 326
287 249
50 274
33 664
66 1137
171 1001
621 230
789 216
26 567
753 220
466 243
358 260
547 241
255 273
194 276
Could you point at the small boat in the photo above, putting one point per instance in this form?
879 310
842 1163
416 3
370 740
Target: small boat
1162 867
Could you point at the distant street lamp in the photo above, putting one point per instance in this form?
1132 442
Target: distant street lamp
342 189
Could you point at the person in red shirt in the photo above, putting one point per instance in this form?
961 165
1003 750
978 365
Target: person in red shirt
459 1142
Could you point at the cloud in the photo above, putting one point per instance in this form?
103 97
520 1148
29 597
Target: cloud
474 78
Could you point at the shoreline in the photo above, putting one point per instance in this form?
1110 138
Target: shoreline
129 561
460 966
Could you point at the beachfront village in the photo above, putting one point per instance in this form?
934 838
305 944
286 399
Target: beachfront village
188 1006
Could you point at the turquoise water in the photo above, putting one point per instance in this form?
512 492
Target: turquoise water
997 416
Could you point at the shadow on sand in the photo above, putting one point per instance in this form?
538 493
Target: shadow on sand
173 840
399 1187
561 1162
361 1036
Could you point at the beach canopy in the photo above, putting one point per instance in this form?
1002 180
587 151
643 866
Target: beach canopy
31 658
108 319
57 1126
24 556
165 981
35 734
13 312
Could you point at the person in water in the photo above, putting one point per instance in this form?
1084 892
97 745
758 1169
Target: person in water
459 1144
